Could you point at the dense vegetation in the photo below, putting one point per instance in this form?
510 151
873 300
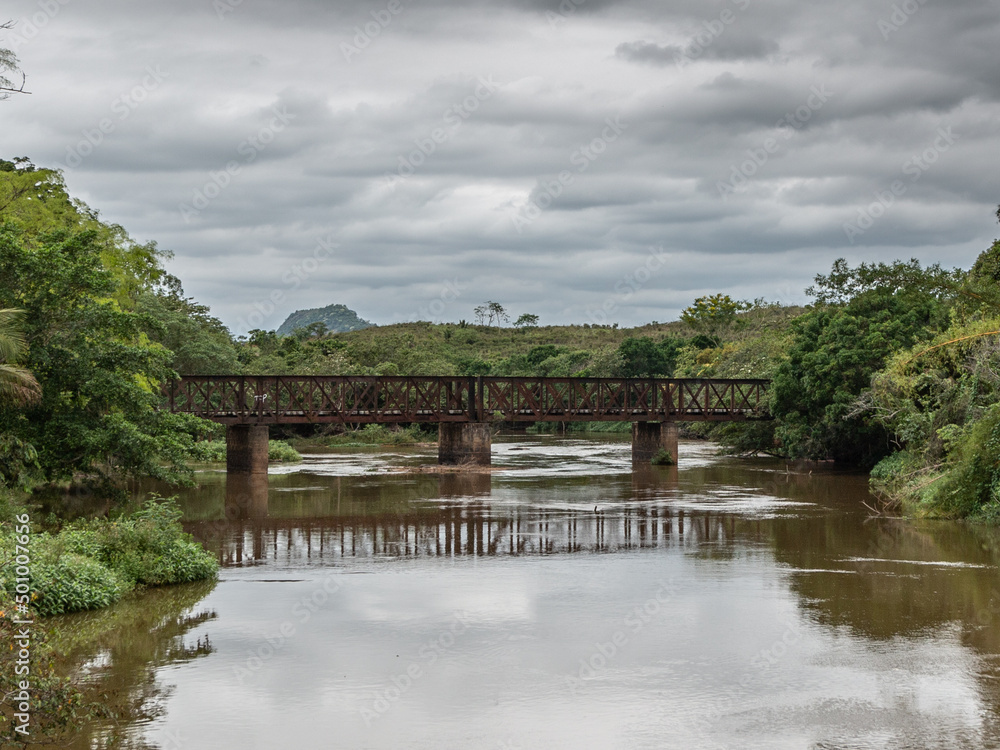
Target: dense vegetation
93 563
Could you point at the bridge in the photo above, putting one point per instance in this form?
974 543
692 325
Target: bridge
464 408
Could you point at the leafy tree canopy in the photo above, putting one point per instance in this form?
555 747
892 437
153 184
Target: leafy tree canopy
641 357
713 314
835 353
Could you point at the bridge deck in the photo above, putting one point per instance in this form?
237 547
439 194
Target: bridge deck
349 399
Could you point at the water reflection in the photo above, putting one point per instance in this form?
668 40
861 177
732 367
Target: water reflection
568 601
116 654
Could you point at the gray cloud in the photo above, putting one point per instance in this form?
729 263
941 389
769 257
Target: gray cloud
388 151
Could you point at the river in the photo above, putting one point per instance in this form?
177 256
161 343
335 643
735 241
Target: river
561 601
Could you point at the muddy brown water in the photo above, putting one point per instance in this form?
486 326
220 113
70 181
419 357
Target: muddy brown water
563 601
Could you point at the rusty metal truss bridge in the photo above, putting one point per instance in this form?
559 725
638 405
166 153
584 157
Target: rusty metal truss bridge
350 399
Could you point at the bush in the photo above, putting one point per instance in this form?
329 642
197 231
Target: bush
149 548
281 452
971 482
93 564
73 582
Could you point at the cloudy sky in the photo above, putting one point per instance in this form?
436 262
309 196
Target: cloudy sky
585 160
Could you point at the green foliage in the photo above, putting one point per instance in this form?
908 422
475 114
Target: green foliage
835 353
526 320
970 483
71 582
662 458
18 463
92 564
199 342
845 283
641 357
713 315
18 386
80 282
472 366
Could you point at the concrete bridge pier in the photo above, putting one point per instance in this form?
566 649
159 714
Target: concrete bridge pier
464 443
649 438
246 449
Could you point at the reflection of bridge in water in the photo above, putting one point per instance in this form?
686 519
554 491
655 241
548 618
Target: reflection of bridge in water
459 524
469 530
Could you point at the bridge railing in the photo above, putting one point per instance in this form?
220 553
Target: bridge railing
238 399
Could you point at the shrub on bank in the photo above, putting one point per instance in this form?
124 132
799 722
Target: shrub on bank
94 563
71 582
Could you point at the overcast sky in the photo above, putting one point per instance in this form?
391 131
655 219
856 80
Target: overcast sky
587 160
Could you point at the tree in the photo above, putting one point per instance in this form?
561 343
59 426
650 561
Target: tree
200 343
641 357
836 351
491 313
314 330
526 320
9 64
100 376
712 315
18 386
844 283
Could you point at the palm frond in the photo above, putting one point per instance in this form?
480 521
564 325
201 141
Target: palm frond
18 386
12 343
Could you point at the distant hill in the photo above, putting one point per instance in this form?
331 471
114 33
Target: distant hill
338 318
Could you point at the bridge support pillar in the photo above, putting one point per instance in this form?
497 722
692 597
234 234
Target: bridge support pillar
649 438
246 449
464 443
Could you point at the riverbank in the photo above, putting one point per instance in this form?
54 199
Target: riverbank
89 564
84 565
